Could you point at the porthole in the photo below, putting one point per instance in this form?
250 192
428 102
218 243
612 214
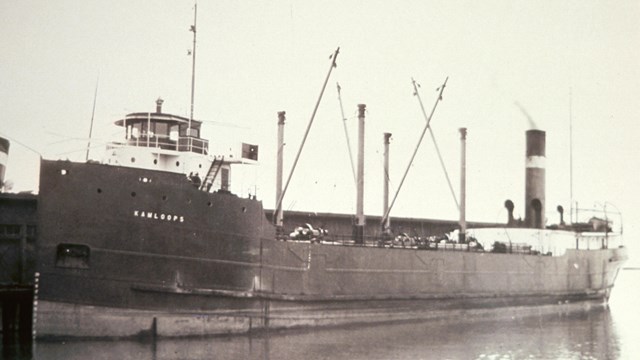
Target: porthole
200 166
155 161
99 191
133 194
133 159
63 172
177 163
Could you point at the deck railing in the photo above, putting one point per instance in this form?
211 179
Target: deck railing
380 241
183 143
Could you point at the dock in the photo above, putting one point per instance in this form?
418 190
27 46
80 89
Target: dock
18 233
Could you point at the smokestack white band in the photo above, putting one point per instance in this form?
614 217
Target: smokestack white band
536 162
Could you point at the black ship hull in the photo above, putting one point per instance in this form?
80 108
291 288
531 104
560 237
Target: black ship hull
125 251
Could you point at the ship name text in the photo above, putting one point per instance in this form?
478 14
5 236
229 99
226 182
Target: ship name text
157 216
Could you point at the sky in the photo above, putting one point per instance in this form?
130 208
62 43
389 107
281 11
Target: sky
561 64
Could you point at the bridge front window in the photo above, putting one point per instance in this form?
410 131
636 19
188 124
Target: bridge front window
165 134
161 129
136 131
192 132
173 133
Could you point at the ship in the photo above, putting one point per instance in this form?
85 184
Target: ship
150 241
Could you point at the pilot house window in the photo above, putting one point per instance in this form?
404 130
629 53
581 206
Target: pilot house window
161 129
136 132
193 131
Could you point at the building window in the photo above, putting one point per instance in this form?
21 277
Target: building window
9 229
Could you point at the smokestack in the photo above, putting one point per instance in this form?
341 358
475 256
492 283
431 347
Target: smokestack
4 157
463 185
535 180
159 105
359 226
278 219
385 199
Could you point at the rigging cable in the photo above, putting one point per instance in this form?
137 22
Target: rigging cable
93 112
333 58
441 90
444 169
346 132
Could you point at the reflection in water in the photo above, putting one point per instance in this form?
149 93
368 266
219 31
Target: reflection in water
600 333
583 335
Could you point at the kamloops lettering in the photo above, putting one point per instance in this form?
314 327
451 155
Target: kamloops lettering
157 216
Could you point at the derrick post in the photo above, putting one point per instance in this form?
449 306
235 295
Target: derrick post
386 225
463 185
360 220
278 215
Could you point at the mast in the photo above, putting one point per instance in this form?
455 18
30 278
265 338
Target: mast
193 65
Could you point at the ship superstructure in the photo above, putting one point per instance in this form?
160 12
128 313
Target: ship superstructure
166 142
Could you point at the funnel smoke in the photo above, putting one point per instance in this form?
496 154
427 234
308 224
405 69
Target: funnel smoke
532 123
